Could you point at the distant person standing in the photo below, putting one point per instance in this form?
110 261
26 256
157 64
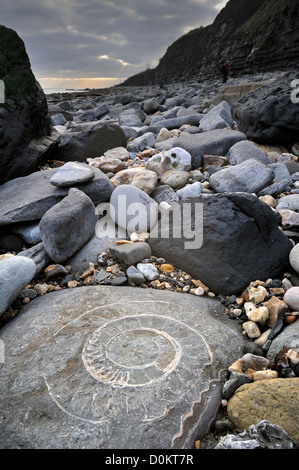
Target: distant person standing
225 71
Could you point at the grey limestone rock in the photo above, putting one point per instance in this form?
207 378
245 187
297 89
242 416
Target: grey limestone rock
245 150
133 209
114 367
250 176
72 174
28 198
130 253
264 435
219 117
15 273
68 225
268 115
217 142
226 240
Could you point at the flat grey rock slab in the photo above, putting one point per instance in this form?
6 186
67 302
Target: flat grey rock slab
114 367
29 198
216 142
72 173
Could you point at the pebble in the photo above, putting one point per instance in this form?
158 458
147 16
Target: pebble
256 314
176 179
251 329
72 173
265 375
135 275
251 361
149 271
257 294
291 298
54 271
41 289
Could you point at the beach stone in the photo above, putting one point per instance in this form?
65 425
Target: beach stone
68 225
91 142
176 122
251 329
276 309
250 176
245 150
165 193
58 119
263 435
267 115
173 159
139 177
163 357
291 298
219 117
176 179
190 190
54 271
130 253
142 142
126 201
135 276
289 219
90 251
274 400
131 117
294 257
290 202
121 153
211 242
289 337
38 254
148 270
275 189
281 172
15 273
150 105
29 198
164 134
107 164
217 142
231 385
71 174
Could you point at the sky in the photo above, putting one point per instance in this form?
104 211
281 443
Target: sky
100 43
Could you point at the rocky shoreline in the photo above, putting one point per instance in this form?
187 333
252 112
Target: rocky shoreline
163 148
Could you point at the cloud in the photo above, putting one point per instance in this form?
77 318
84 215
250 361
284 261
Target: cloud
101 38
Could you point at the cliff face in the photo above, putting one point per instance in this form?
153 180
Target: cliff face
255 36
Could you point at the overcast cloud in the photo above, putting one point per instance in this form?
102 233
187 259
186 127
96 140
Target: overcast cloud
76 39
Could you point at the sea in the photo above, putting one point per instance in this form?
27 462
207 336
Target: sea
49 91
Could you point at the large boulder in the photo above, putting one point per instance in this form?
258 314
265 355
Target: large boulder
15 273
251 176
233 241
216 142
68 225
91 142
268 115
114 367
25 127
28 198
